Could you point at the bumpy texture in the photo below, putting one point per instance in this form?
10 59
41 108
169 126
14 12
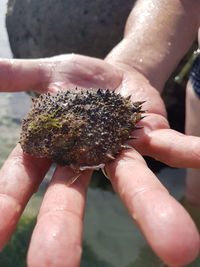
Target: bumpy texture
83 129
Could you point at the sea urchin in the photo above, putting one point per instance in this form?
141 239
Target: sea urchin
80 128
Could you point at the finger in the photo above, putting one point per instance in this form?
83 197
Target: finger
21 75
20 177
167 227
57 237
57 73
173 148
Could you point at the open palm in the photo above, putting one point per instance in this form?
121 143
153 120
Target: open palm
57 237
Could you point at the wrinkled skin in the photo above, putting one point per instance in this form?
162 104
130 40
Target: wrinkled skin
165 224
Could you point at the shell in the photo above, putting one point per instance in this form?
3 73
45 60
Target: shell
80 128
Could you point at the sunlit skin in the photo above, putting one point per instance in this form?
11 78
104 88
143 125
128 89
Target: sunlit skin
168 228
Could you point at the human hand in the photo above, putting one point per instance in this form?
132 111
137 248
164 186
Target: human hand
165 224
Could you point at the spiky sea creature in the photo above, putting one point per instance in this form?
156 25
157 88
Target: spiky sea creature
80 128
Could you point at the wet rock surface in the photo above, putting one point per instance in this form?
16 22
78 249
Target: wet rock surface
47 27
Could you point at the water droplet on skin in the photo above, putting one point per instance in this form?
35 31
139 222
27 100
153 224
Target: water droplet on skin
141 60
54 234
60 208
169 43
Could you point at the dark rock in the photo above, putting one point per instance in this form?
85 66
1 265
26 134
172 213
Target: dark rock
47 27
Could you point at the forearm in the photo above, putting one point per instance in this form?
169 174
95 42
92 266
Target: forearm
157 35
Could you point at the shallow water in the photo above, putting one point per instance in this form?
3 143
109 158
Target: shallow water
13 107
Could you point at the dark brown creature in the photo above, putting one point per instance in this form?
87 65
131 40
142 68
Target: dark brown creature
79 128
